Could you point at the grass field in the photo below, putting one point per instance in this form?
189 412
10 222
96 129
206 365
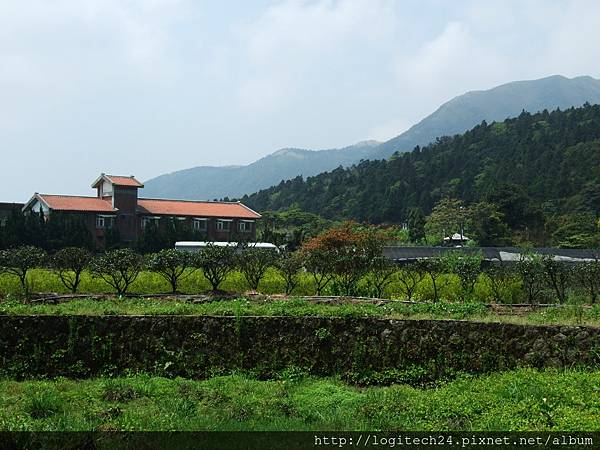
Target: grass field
567 315
519 400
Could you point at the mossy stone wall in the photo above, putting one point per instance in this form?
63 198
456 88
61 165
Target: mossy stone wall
201 346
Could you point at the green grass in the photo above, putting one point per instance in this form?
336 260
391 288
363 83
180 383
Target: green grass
567 315
520 400
42 280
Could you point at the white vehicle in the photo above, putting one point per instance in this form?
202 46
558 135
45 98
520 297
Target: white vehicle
197 246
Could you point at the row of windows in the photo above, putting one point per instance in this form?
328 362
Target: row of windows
244 226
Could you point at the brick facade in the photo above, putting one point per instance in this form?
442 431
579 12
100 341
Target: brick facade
117 205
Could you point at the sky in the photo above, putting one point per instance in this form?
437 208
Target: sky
145 87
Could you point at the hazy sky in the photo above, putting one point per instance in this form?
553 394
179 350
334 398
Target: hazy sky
146 87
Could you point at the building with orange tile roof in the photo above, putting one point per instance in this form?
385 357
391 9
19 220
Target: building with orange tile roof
118 206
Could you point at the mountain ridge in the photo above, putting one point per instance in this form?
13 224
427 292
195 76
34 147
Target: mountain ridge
452 117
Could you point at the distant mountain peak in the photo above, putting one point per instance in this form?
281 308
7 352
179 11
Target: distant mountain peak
496 104
453 117
288 152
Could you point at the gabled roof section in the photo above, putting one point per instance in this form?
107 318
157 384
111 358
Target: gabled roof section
233 210
118 180
74 203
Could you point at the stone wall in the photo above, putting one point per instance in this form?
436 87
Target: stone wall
200 346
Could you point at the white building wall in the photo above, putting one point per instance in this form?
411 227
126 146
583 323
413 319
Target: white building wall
107 188
37 205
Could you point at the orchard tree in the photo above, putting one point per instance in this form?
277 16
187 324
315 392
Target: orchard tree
381 269
558 276
318 262
588 275
409 278
381 274
289 266
467 267
69 264
216 263
19 261
118 268
254 262
434 268
530 269
499 276
340 253
172 265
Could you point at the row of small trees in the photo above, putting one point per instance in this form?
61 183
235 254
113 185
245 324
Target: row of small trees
536 276
120 268
341 255
344 259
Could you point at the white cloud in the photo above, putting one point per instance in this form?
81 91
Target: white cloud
149 86
389 129
294 41
71 40
449 64
487 44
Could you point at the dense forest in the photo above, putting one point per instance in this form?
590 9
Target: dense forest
539 172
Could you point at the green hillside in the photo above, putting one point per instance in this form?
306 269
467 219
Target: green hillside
535 168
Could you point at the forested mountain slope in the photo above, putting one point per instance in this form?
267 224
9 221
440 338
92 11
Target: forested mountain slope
553 158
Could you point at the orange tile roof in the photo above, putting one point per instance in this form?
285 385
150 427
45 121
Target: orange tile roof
198 209
124 181
75 203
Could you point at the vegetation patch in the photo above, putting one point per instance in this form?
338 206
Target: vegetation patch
519 400
579 315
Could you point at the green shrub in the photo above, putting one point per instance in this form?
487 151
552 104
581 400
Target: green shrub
254 263
288 267
172 265
41 404
19 261
69 264
118 268
216 263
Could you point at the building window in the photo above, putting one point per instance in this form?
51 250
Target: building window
245 226
103 222
224 224
200 224
150 220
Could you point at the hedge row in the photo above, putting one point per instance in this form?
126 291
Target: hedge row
533 278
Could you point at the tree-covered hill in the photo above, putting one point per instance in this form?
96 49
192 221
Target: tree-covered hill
536 164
